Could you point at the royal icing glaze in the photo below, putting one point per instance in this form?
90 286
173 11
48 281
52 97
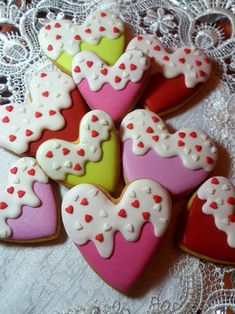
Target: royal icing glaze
147 131
88 214
22 124
23 173
62 35
219 194
189 61
129 67
59 158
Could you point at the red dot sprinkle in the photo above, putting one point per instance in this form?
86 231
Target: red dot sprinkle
130 126
231 200
149 130
146 215
99 237
213 205
77 69
214 181
5 119
181 143
12 138
88 218
49 154
181 134
49 47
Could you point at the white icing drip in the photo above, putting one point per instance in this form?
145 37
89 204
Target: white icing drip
19 192
220 204
63 35
193 146
23 124
189 61
129 67
58 157
129 221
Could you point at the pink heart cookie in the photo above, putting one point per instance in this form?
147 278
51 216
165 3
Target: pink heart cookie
178 161
181 72
117 237
28 210
113 89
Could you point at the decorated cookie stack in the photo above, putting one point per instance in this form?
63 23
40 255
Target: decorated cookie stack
82 125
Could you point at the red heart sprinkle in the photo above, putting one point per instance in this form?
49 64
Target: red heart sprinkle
69 209
77 69
181 60
28 132
149 130
12 138
65 151
43 75
103 14
38 114
77 37
187 51
49 47
135 204
122 66
94 118
102 29
157 198
213 205
122 213
130 126
198 148
58 37
3 205
88 30
57 25
9 108
88 218
202 73
214 181
14 170
117 79
146 215
231 200
5 119
77 167
84 201
80 152
94 133
181 143
198 63
49 154
231 218
166 58
99 237
52 112
89 63
133 67
104 71
155 119
207 60
10 190
209 160
31 172
155 138
140 38
140 144
48 27
193 134
21 193
45 94
116 30
181 134
157 48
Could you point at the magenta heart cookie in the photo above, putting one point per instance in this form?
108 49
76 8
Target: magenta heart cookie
28 210
117 237
178 161
115 89
176 75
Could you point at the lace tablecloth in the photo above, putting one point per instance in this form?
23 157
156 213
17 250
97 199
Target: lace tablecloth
53 277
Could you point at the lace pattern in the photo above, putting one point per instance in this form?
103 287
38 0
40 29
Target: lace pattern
56 279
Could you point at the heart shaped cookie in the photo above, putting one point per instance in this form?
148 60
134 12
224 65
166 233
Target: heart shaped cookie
176 76
94 158
102 32
209 230
28 210
178 161
115 89
117 237
55 108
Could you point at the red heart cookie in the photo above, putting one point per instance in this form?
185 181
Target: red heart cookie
115 89
176 76
209 230
55 111
28 210
117 237
179 161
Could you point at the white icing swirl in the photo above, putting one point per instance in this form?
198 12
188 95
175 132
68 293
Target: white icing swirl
219 194
88 214
148 131
189 61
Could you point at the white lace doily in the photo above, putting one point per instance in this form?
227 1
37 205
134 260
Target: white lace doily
53 277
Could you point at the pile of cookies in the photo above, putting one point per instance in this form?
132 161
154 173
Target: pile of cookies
92 121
